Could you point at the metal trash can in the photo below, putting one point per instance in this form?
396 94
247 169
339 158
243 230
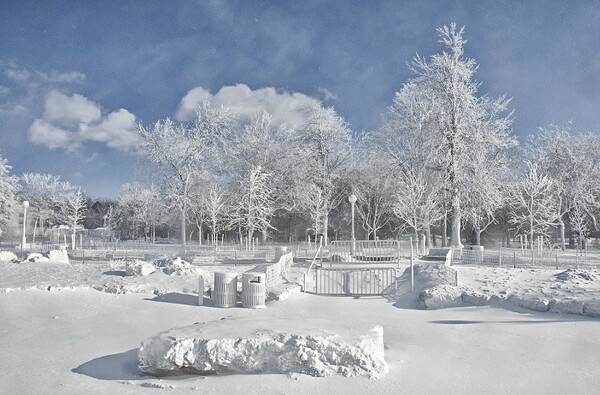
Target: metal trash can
254 290
224 292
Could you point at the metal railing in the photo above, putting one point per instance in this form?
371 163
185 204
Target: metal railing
312 264
358 281
517 258
361 251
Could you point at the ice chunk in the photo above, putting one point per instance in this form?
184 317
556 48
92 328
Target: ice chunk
213 348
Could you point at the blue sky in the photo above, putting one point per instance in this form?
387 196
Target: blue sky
75 76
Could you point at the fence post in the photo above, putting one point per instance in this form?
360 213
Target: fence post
500 257
556 261
514 260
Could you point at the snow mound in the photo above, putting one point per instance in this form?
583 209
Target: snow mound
441 297
212 348
59 255
139 268
576 275
8 256
177 267
35 257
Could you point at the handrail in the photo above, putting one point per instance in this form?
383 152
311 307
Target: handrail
311 265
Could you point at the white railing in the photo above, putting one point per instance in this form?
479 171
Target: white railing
312 264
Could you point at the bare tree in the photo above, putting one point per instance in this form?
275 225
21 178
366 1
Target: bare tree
373 182
73 210
8 189
178 150
533 202
326 150
254 209
417 203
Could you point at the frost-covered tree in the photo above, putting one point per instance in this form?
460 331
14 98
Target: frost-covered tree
254 209
417 201
533 203
178 150
572 162
73 210
407 139
373 183
326 152
216 211
46 194
451 112
8 189
486 172
138 206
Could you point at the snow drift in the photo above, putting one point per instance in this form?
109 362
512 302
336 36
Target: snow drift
212 348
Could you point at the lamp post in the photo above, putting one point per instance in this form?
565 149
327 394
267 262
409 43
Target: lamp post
352 200
23 240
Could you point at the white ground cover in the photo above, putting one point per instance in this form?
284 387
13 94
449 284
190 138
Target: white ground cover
77 340
573 291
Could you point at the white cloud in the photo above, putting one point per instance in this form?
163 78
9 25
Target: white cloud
69 121
190 101
327 94
68 110
44 133
116 130
283 106
63 78
17 74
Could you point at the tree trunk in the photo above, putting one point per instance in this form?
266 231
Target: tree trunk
214 230
477 235
35 223
325 226
183 224
561 232
428 235
456 219
445 228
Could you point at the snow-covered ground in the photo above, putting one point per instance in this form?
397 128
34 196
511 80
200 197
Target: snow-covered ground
574 291
75 339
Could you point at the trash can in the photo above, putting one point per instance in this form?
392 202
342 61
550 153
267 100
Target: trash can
225 289
254 290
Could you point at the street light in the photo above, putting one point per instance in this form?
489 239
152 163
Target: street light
23 240
352 200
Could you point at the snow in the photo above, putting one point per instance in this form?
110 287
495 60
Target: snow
78 340
36 257
8 256
58 255
139 268
243 345
571 291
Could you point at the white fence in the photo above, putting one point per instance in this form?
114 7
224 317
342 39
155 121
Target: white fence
525 258
355 281
361 251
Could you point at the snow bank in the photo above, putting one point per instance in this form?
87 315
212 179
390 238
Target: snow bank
212 348
8 256
440 297
573 291
139 268
36 257
177 267
59 255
